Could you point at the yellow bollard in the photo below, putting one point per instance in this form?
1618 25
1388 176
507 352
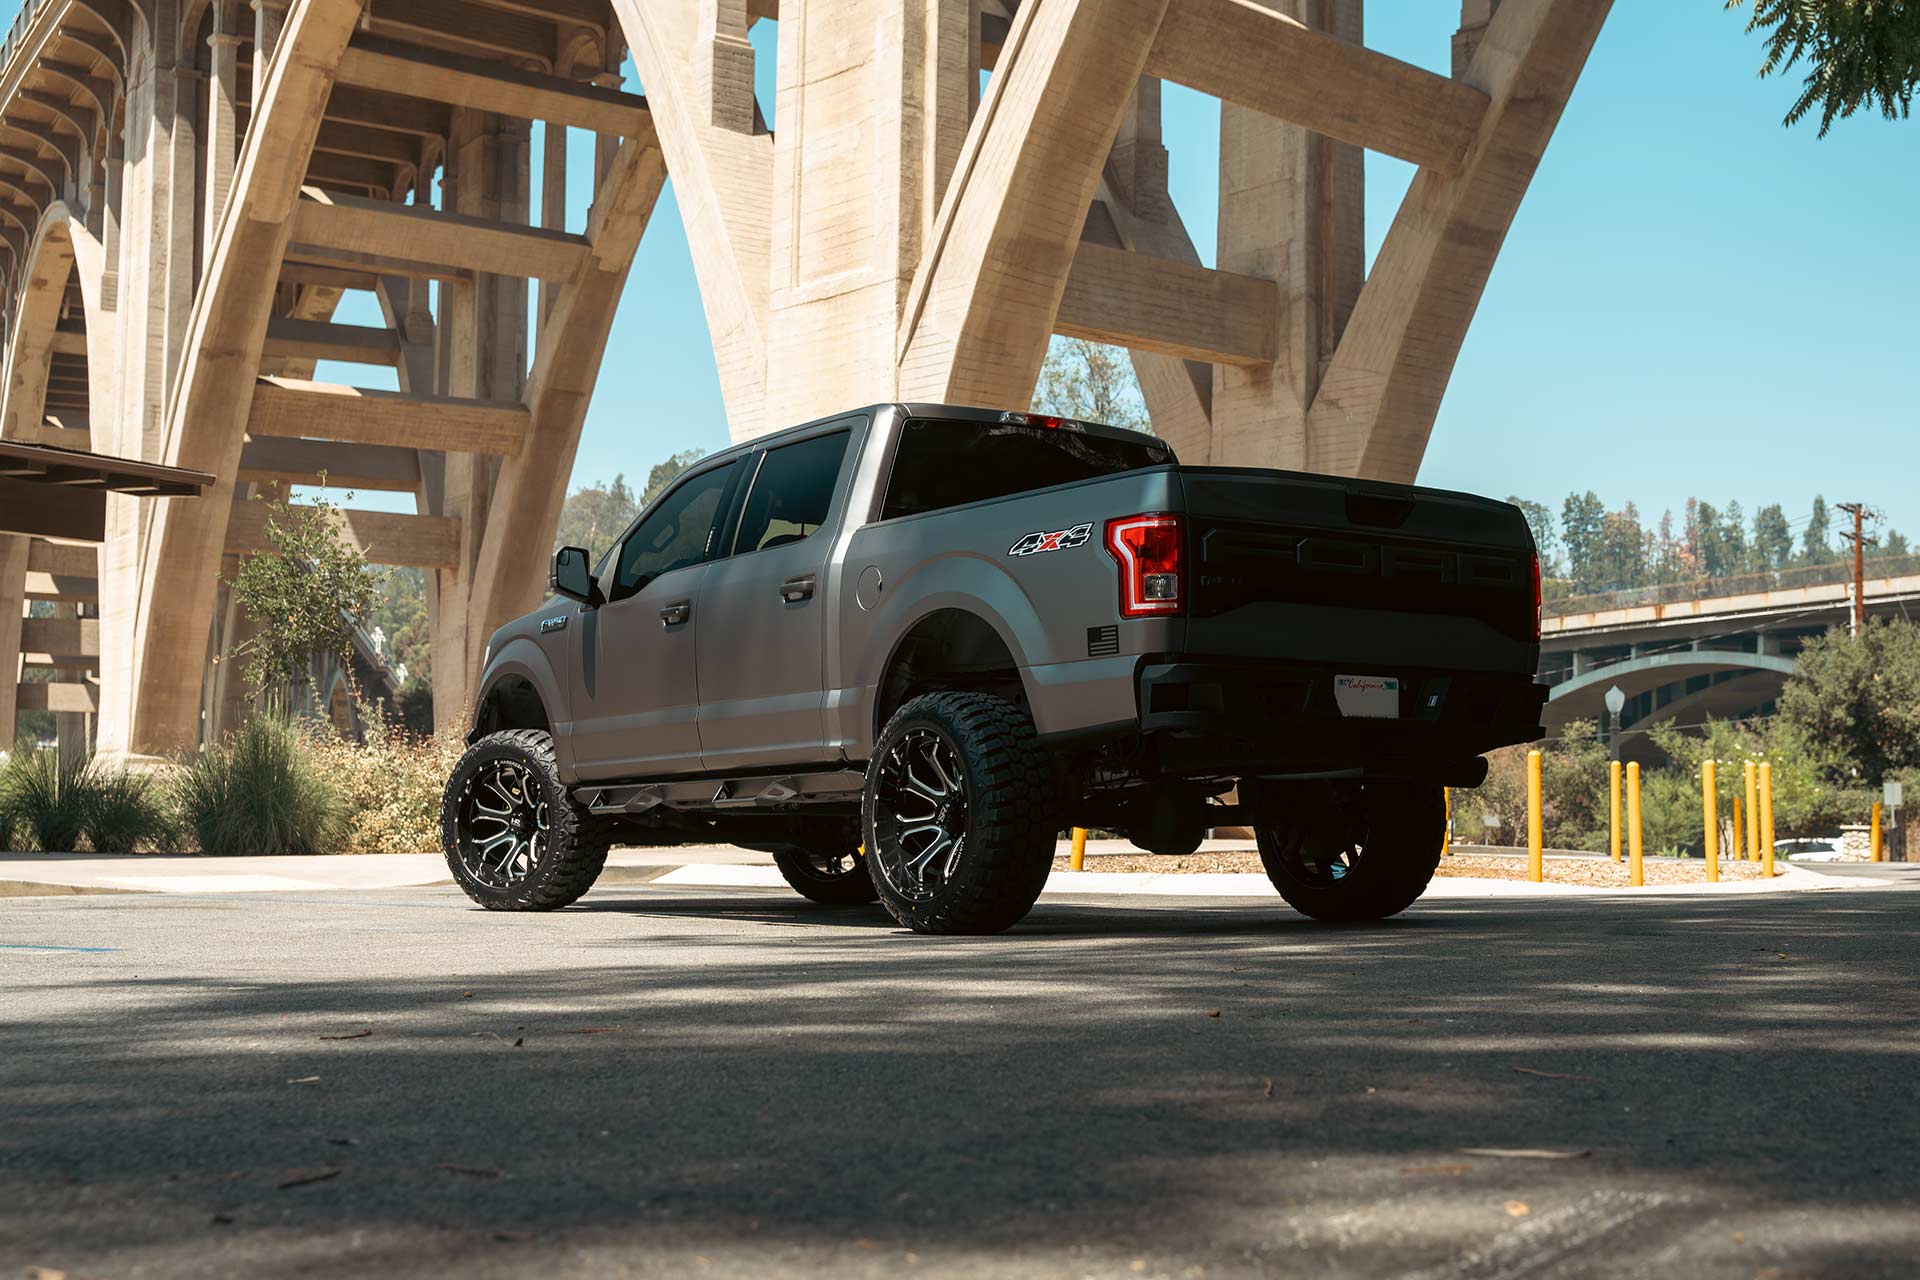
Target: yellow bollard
1710 806
1739 833
1535 863
1613 822
1766 820
1876 832
1753 812
1634 872
1078 859
1446 832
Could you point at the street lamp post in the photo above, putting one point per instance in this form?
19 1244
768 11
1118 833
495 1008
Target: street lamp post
1616 703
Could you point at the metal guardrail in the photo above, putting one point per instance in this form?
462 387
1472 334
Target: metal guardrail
1741 584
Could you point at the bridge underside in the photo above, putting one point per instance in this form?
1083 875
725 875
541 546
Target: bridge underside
190 191
1683 689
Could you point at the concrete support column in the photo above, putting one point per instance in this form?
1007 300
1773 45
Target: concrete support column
222 138
115 177
605 144
553 202
952 75
269 17
723 65
1291 211
72 729
872 102
1139 164
483 329
13 584
1474 17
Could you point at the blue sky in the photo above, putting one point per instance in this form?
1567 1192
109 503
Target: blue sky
1693 300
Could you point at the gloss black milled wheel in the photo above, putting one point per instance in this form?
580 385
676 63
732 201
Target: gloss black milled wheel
1349 851
958 814
833 873
514 840
504 823
920 813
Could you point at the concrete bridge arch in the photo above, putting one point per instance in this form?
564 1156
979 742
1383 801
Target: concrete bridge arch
1684 687
986 222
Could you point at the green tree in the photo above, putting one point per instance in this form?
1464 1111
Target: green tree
1858 697
1092 382
1733 536
1580 518
665 473
1772 538
1619 556
305 592
1859 53
1814 547
1718 555
1540 520
594 515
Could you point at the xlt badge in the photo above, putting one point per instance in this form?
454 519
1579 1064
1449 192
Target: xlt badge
1064 540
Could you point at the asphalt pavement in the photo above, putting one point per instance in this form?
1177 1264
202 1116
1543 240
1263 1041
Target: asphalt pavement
685 1081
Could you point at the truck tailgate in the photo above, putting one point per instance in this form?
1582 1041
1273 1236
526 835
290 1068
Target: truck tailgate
1317 569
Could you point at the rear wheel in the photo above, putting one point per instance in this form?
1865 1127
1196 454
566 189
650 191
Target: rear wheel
513 838
833 874
1350 851
958 814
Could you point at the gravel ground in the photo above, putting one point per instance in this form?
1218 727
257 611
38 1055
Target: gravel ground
1585 871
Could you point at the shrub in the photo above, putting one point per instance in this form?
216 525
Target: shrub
258 792
390 786
48 798
126 811
7 821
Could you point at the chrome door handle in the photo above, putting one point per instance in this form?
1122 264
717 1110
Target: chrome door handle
675 614
794 590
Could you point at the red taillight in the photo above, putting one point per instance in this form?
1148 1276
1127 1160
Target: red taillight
1536 596
1149 549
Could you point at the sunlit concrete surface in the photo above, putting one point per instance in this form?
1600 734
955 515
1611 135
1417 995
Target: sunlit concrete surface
736 1083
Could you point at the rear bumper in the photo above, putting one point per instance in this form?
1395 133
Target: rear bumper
1241 718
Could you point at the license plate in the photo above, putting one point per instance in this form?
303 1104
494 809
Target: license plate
1367 697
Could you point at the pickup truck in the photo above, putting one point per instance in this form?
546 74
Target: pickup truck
902 648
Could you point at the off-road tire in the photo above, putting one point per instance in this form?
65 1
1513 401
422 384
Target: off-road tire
1011 808
577 842
1401 839
852 888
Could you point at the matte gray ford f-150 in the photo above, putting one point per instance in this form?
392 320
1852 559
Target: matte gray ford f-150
902 648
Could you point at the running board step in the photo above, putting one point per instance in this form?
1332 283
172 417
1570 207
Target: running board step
720 794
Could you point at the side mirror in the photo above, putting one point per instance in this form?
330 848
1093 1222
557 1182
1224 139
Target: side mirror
572 579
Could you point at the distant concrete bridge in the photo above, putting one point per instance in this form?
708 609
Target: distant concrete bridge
187 187
1681 657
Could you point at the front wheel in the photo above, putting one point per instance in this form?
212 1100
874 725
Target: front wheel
514 840
1350 851
958 814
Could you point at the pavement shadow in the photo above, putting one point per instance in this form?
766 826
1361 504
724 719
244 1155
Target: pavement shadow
757 1080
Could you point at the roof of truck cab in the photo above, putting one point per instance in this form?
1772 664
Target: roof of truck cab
928 409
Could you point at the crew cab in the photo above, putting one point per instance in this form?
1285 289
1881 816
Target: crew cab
903 647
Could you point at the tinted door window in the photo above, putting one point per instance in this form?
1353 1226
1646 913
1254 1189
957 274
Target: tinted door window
944 464
791 493
681 531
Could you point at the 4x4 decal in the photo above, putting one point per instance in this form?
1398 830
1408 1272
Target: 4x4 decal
1064 540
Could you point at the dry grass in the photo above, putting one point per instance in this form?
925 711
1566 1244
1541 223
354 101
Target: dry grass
1598 872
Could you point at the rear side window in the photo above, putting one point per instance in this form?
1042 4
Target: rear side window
791 494
944 464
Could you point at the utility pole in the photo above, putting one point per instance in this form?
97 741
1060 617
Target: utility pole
1861 513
